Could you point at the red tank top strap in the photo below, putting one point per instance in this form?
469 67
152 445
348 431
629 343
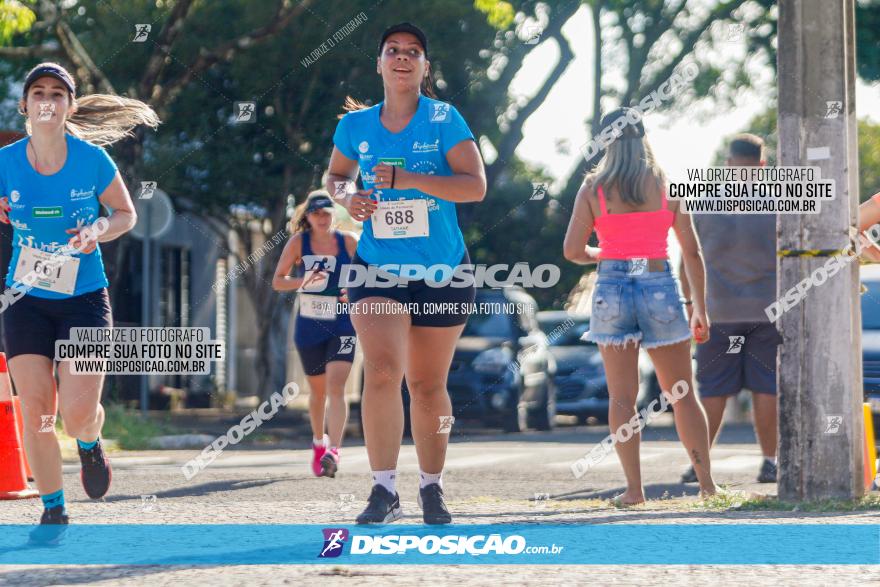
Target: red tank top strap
601 193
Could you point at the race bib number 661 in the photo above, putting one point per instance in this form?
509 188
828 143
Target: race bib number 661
46 271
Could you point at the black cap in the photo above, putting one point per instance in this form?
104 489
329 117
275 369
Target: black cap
405 27
50 70
632 130
317 202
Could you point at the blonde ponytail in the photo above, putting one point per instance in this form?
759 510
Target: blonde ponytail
103 119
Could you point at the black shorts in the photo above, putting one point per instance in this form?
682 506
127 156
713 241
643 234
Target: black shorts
31 325
315 357
446 305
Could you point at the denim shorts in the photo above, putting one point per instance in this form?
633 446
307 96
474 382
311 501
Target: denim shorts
629 306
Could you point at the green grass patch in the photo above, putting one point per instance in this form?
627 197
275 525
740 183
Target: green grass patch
745 503
131 429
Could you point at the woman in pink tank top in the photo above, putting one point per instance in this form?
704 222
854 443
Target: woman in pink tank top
637 299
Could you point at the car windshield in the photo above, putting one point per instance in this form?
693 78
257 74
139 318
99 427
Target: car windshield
563 333
871 306
489 325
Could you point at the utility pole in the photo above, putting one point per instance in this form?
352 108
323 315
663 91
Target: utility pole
819 364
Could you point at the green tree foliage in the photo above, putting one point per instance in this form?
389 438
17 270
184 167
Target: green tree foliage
15 18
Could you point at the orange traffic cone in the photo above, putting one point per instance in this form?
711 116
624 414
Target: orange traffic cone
19 421
13 482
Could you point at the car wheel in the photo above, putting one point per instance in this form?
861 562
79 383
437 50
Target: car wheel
515 420
407 423
407 420
544 417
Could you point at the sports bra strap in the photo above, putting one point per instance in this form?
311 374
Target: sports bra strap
601 194
306 243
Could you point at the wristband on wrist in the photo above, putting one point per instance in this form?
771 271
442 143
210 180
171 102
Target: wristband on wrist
688 302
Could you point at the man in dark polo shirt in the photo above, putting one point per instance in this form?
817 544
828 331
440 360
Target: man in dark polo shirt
740 255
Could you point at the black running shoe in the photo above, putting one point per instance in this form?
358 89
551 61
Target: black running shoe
382 507
53 526
689 476
433 507
768 472
96 473
330 463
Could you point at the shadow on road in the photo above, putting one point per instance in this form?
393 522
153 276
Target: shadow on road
207 488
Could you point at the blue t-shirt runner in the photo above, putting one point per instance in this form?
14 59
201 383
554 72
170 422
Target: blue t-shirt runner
410 227
44 207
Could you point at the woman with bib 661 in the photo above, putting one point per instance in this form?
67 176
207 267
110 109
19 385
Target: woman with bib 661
52 185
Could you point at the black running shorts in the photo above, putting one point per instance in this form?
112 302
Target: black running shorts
442 306
315 357
31 325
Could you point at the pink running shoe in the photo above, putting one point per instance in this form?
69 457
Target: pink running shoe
330 462
318 453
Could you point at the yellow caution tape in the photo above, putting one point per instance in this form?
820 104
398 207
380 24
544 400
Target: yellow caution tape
813 252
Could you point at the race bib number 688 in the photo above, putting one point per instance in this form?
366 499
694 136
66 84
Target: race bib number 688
401 219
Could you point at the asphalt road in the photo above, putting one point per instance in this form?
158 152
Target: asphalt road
489 478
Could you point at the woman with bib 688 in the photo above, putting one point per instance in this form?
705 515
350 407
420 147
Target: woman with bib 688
417 159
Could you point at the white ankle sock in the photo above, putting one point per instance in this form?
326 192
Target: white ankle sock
771 459
318 442
426 479
386 479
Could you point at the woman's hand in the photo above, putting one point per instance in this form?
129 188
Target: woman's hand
84 239
4 208
699 325
388 174
360 205
869 251
343 296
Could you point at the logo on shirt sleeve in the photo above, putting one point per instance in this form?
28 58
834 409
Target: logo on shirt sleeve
440 112
15 196
364 147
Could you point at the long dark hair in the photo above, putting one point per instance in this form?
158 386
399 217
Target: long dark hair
427 89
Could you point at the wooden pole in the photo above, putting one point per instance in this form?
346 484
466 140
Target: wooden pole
819 371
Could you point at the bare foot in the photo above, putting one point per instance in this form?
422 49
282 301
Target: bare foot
710 491
627 499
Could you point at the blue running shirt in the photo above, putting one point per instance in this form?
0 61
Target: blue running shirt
421 147
45 206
